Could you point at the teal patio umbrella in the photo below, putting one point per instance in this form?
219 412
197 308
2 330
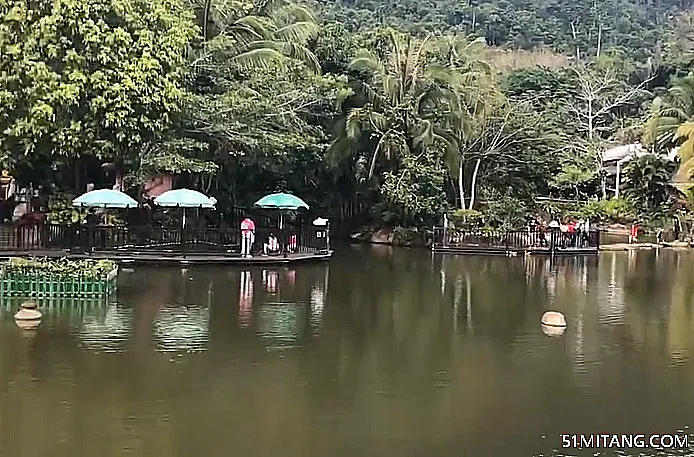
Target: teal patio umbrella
281 201
104 198
185 198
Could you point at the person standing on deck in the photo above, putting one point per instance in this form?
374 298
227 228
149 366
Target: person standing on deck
586 232
571 230
247 236
677 228
634 233
659 236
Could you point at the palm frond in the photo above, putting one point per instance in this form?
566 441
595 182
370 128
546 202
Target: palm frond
682 179
244 33
297 32
372 96
477 44
293 13
353 123
390 144
369 62
262 57
262 27
378 122
391 89
299 52
685 130
424 134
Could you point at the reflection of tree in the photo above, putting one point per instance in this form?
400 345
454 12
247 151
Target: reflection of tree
681 318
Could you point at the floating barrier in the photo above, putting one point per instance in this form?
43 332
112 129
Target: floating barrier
30 278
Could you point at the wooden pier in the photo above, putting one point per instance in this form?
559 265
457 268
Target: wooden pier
202 246
515 242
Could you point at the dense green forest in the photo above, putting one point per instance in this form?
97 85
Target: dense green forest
391 111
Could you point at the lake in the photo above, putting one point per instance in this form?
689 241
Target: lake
381 352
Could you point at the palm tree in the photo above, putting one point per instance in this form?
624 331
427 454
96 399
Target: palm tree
266 34
671 124
399 100
648 180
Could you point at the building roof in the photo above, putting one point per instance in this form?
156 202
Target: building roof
629 151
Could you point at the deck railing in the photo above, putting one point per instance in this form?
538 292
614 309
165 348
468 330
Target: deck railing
46 237
515 239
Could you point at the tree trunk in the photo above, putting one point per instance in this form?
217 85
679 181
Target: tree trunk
575 37
206 19
473 184
590 119
461 184
603 186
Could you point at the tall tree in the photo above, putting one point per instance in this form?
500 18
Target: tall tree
671 124
100 77
397 98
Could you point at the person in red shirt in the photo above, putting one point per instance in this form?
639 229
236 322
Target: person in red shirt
247 236
571 230
634 233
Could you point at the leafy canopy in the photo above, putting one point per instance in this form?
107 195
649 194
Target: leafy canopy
99 77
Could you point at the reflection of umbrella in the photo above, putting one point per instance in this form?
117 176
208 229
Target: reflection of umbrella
185 198
281 201
104 198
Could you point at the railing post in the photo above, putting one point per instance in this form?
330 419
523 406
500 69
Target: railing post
90 237
327 237
445 230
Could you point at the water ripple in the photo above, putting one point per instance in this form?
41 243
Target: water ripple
182 328
105 329
282 324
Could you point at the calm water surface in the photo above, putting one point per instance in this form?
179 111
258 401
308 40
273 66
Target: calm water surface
381 352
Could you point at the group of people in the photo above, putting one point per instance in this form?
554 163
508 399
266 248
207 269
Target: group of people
271 245
570 233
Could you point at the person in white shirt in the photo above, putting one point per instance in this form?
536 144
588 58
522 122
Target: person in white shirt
272 246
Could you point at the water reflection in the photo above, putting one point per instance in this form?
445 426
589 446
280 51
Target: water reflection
182 328
440 355
281 324
291 304
245 299
104 328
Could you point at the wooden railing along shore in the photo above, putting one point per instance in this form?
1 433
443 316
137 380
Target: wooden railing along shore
549 241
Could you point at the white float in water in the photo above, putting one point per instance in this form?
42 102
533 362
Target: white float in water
553 323
553 319
28 317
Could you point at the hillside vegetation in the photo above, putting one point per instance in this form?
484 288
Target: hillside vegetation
395 111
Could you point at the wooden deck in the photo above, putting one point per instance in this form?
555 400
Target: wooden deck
172 257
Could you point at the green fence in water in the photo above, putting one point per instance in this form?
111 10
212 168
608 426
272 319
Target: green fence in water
29 285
